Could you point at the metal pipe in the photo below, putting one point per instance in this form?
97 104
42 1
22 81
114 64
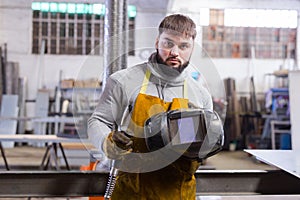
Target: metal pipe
1 73
124 35
115 41
4 67
115 54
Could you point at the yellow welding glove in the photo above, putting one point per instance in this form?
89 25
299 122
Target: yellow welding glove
117 144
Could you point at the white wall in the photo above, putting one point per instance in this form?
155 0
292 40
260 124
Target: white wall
242 69
48 68
15 26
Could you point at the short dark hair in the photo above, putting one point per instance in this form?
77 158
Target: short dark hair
178 24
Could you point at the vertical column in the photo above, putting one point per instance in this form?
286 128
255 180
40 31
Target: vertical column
294 96
115 40
124 40
297 64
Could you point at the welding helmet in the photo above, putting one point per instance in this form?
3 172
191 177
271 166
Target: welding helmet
193 133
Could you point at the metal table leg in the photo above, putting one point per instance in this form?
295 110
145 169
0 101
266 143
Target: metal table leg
51 153
4 157
64 156
43 165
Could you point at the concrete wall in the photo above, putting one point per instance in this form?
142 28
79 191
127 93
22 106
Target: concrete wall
15 26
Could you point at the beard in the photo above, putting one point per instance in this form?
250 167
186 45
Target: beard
180 68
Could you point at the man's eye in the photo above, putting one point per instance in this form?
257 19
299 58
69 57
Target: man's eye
168 44
184 46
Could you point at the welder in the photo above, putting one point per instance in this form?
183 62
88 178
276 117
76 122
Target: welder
135 98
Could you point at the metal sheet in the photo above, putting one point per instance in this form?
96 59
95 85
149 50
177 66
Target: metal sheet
91 183
9 108
294 96
283 159
41 110
11 77
22 107
224 182
52 184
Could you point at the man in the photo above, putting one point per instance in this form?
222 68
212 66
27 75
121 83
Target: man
133 95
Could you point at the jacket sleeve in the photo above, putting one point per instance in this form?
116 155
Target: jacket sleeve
109 110
208 101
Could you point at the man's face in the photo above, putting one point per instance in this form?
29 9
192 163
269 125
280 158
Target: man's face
174 50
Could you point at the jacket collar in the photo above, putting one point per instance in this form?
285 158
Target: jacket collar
164 74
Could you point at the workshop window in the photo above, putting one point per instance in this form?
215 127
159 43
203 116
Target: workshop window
69 28
244 33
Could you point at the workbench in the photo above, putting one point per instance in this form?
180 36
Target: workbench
53 143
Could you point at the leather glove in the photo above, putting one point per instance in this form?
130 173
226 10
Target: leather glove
117 144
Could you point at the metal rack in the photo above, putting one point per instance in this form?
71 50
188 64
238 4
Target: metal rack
279 127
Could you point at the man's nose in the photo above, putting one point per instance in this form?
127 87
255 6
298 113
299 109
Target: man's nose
174 51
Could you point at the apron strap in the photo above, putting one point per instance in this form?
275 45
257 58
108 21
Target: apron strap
185 90
146 81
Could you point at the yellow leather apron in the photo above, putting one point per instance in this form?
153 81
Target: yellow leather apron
176 181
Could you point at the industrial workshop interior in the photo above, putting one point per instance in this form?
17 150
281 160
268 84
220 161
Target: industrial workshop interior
56 57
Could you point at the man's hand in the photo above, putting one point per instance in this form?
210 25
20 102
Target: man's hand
117 144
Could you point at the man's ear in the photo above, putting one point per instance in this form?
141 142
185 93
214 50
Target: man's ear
156 42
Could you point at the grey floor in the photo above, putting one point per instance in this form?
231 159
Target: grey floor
28 158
